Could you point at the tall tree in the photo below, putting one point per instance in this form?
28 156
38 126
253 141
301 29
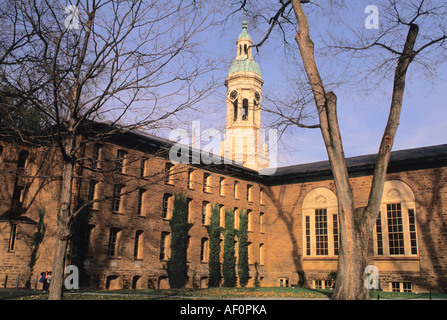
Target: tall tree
243 268
401 43
177 267
229 258
214 232
130 63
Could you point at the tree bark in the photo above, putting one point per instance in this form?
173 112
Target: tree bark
63 232
355 225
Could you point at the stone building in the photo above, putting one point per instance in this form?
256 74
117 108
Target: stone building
293 225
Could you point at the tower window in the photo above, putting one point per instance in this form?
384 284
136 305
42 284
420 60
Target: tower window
235 110
245 109
245 49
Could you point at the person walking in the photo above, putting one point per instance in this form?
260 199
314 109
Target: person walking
48 278
43 280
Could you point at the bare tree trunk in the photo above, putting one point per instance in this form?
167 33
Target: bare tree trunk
355 225
63 232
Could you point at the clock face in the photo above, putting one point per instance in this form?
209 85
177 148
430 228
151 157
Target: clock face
257 97
233 95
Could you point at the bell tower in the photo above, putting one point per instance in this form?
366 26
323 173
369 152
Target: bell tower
244 142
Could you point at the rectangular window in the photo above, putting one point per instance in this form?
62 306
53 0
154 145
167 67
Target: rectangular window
140 203
379 235
113 241
137 252
335 232
222 215
95 155
283 282
207 182
143 164
204 250
236 190
189 207
164 246
190 178
261 222
308 248
249 220
120 161
168 173
167 206
261 196
412 226
261 254
321 234
222 186
249 192
395 229
395 286
92 192
406 287
205 213
249 253
236 218
12 238
116 200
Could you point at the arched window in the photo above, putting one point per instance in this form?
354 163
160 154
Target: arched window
245 109
245 49
395 232
320 220
22 159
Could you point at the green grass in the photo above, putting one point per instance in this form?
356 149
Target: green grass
208 293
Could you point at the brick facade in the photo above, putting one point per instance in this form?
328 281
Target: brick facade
278 223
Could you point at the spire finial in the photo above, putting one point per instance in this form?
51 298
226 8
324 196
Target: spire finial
244 25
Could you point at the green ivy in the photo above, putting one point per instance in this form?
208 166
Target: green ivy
243 267
176 266
229 259
214 231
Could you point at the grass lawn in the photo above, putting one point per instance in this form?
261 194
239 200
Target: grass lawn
208 293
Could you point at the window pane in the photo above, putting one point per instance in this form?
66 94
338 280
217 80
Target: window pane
379 235
412 227
321 236
308 235
395 229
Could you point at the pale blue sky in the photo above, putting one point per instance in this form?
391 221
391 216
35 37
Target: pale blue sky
362 114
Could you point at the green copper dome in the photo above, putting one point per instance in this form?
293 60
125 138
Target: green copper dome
244 33
244 64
